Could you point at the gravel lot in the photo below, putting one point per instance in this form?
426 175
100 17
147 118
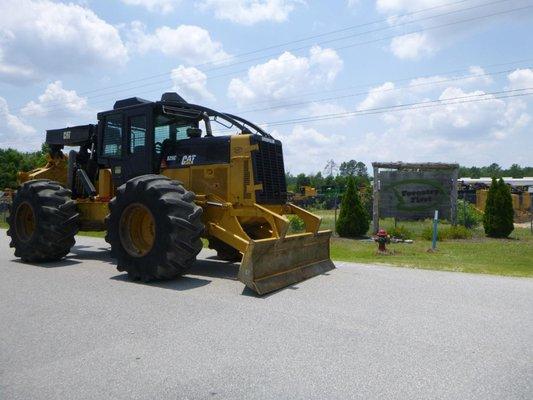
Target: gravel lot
78 329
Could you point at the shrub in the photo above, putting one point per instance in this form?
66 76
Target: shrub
468 215
353 218
498 218
457 232
427 234
296 224
447 233
401 232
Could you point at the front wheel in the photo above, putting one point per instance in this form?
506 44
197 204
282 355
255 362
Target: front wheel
154 228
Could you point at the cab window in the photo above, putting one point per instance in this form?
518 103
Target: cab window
137 134
112 143
170 127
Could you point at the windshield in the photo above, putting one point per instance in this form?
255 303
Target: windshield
171 127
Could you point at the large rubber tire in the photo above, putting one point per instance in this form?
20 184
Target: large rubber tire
177 228
54 225
224 251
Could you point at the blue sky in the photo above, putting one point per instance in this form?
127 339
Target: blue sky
61 62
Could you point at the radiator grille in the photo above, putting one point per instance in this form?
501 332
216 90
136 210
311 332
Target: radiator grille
270 172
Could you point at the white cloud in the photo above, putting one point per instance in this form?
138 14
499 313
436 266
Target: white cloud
187 42
412 46
57 101
14 132
250 12
388 94
190 83
462 119
286 75
521 79
476 76
45 37
465 132
380 96
304 146
162 6
444 23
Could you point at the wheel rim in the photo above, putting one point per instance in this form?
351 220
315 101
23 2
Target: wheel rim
137 230
25 221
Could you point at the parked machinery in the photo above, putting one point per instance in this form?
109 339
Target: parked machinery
149 175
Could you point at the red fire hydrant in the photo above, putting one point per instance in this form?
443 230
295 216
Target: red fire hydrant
382 238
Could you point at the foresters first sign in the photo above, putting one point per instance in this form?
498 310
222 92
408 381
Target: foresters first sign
416 194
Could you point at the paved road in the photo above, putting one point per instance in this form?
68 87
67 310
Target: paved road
78 329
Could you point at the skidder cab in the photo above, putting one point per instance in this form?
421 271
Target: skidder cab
157 178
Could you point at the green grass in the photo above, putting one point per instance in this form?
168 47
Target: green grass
512 257
3 225
97 234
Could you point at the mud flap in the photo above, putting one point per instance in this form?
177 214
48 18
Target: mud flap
272 264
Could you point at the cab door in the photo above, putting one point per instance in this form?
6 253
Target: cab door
137 157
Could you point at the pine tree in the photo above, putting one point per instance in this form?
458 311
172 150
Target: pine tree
353 219
498 218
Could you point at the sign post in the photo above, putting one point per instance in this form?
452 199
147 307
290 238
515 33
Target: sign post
435 230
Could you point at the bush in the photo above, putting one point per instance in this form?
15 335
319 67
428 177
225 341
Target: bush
401 232
427 234
296 224
498 218
447 233
457 232
353 218
468 215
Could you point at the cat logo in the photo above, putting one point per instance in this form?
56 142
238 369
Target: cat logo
188 159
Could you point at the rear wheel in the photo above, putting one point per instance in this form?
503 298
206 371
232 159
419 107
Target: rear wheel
42 221
154 228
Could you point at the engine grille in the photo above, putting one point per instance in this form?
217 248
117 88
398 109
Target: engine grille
269 171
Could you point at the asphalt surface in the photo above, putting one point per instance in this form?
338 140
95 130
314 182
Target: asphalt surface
78 329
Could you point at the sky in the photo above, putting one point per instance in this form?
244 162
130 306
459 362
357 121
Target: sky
385 80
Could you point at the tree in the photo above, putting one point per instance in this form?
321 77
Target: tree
498 218
331 168
515 171
492 170
317 181
13 161
302 180
353 168
353 219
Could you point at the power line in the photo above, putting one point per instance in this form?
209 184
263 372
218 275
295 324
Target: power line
377 91
386 37
338 48
366 85
287 43
502 94
408 106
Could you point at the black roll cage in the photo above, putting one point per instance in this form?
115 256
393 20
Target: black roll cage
197 112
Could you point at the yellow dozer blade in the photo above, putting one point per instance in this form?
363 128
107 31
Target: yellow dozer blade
275 260
271 264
